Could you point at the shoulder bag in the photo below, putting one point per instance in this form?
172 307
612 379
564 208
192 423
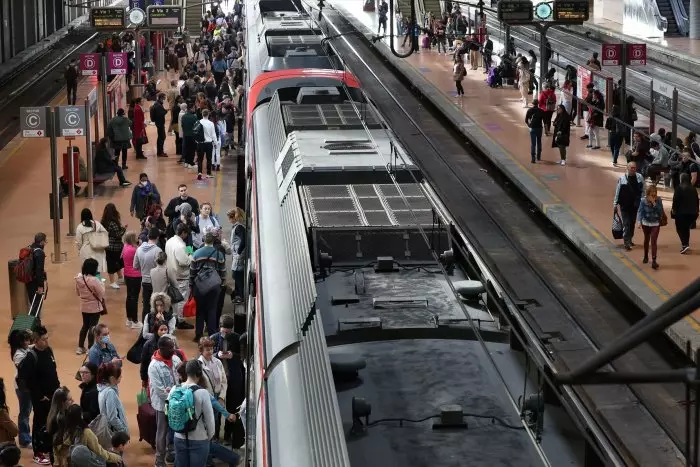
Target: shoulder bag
101 301
207 278
99 239
173 292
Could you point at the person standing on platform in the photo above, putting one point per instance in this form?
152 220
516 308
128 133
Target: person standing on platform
616 131
628 194
71 76
178 265
91 292
162 377
548 105
172 210
207 274
144 261
593 62
595 119
119 132
487 53
562 132
144 196
139 131
158 114
533 120
650 216
458 73
111 219
132 278
205 144
382 16
38 283
86 235
181 52
524 78
189 145
38 370
684 210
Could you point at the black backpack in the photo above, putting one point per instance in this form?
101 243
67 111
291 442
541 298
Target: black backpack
198 131
71 74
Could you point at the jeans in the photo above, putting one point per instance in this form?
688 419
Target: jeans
160 142
683 224
651 234
123 150
615 142
147 292
238 283
225 455
460 89
133 290
120 174
40 439
72 88
593 136
25 408
629 218
206 311
190 453
90 320
183 285
162 444
202 150
535 143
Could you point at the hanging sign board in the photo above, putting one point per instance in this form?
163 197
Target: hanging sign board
33 122
70 120
164 17
515 11
108 18
570 11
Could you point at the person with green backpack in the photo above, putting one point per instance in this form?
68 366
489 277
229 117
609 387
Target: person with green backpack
191 417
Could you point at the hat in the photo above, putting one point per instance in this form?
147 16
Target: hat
655 137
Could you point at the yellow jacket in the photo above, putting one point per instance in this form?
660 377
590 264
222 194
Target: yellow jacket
89 439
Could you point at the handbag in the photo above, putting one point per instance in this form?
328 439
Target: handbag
100 426
190 308
99 239
78 377
617 228
136 351
207 278
664 219
100 300
173 292
143 140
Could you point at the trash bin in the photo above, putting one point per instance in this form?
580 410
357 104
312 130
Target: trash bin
19 302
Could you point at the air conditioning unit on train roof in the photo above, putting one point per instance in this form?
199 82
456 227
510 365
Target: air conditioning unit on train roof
319 95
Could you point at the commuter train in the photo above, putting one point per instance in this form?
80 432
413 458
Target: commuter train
292 413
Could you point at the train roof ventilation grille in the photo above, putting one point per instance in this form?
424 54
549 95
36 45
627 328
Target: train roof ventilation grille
346 146
295 40
325 116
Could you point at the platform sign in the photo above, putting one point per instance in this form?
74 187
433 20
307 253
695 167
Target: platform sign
71 120
108 18
570 11
140 4
611 55
92 100
89 64
33 122
515 11
166 17
117 63
636 54
662 94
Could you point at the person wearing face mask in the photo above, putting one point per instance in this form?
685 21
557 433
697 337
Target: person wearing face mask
205 221
145 195
162 377
103 351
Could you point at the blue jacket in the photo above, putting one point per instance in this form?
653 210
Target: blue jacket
648 213
111 407
97 355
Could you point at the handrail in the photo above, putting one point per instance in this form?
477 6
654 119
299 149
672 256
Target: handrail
682 18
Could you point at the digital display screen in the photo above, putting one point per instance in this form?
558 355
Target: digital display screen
517 11
108 18
164 16
571 11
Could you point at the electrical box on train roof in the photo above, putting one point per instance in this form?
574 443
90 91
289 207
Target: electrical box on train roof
320 95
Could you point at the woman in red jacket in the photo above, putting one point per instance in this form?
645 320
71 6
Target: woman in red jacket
139 130
548 104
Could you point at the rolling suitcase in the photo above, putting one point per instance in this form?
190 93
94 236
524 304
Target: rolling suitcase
31 319
146 418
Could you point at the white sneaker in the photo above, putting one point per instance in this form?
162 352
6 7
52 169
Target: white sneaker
129 323
136 325
114 285
80 351
563 162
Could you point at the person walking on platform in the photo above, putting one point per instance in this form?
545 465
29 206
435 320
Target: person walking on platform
144 196
458 73
616 130
90 238
523 80
37 285
158 114
382 16
562 132
71 76
533 120
139 128
628 194
684 210
651 217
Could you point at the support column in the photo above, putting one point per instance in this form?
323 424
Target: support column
694 19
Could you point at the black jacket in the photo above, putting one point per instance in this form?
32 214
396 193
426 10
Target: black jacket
103 162
158 113
88 401
234 366
685 201
149 348
38 260
533 117
175 202
38 371
562 130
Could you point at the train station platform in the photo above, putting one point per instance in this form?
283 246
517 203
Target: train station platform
25 183
576 198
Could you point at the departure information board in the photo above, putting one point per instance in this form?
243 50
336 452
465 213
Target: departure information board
164 16
515 11
571 11
113 19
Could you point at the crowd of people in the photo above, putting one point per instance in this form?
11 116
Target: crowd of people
175 260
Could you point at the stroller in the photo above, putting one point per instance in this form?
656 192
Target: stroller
494 79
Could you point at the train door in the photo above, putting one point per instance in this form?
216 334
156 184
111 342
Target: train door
18 42
41 19
30 24
5 30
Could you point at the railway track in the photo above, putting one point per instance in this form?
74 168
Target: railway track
567 310
39 82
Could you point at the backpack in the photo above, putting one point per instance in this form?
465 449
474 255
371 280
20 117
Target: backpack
198 131
71 74
179 409
24 269
551 103
80 455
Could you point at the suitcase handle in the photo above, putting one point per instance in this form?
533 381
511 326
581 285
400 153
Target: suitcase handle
38 308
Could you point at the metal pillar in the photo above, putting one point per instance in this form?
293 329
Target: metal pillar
105 98
623 81
55 189
88 153
674 118
544 63
507 44
71 190
652 108
694 19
